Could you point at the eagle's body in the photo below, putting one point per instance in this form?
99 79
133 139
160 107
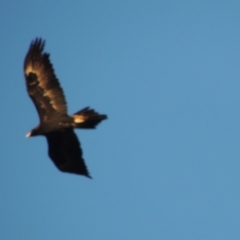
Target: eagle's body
55 124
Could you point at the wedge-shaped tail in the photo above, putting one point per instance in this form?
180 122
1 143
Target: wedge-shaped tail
87 118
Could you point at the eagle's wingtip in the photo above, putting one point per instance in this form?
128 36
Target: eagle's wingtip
88 176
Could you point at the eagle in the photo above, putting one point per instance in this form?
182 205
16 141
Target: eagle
55 124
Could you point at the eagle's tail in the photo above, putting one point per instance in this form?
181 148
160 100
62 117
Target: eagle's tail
87 118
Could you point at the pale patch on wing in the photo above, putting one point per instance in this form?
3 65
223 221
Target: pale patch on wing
29 69
54 93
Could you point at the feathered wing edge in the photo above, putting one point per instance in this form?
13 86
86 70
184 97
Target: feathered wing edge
65 151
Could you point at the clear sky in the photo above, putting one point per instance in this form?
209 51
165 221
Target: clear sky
166 164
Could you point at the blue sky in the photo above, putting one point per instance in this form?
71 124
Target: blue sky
166 164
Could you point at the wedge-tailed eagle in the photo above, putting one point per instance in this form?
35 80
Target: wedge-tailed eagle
55 124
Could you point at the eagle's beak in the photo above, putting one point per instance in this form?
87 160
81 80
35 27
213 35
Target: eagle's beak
28 134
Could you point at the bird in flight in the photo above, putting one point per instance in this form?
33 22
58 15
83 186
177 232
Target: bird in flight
55 124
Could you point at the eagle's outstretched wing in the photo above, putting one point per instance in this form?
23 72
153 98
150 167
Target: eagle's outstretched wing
65 151
42 85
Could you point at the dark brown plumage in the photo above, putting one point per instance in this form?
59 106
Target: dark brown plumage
55 124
